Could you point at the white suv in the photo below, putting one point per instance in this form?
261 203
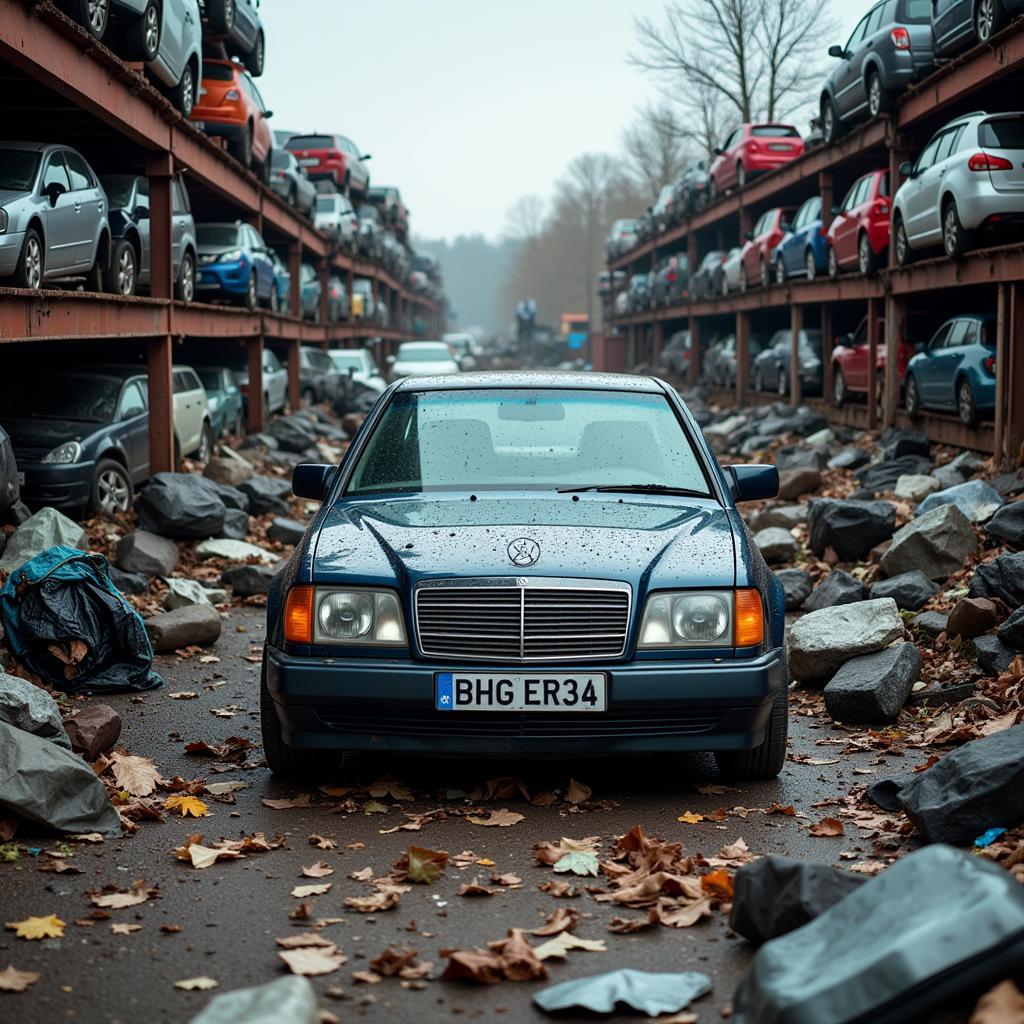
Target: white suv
335 216
969 177
193 432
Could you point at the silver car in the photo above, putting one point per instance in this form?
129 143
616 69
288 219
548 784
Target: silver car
732 271
53 216
336 217
969 178
421 359
360 364
291 182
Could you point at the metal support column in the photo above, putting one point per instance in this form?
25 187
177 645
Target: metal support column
295 284
1013 378
874 315
895 313
742 356
827 341
159 354
324 270
796 325
254 355
294 394
827 199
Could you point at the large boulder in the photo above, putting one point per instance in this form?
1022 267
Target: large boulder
837 588
129 582
797 586
931 623
947 476
198 625
234 551
93 730
777 546
896 442
46 529
288 531
1011 632
181 505
873 687
267 494
783 516
31 709
795 482
850 528
850 458
882 476
183 593
231 470
1003 578
248 580
915 487
291 434
236 525
1007 526
910 590
937 543
146 553
972 616
796 456
821 642
1009 485
975 498
233 498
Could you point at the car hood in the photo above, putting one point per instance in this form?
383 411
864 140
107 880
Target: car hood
9 195
650 542
425 369
208 249
45 433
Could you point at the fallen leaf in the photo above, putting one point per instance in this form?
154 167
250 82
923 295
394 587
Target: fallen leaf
506 788
303 940
51 927
777 808
1003 1004
422 865
561 920
628 925
362 875
577 793
61 867
561 944
474 888
183 695
502 818
371 904
395 960
310 961
717 884
715 789
323 843
512 958
559 889
374 807
367 977
189 806
321 869
302 800
118 898
201 984
203 856
507 879
690 818
224 788
544 799
579 862
133 774
387 785
682 915
300 892
828 827
13 980
117 928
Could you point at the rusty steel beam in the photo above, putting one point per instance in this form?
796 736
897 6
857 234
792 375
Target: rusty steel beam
1012 440
988 266
874 315
827 343
895 311
796 325
254 358
57 316
742 356
159 356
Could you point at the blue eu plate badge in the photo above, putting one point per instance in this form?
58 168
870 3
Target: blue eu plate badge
445 691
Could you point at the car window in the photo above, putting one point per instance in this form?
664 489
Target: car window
927 157
883 185
958 335
132 401
874 20
917 11
192 380
218 72
55 173
945 146
858 33
270 362
939 339
527 438
181 200
971 334
774 131
180 383
257 95
1002 133
78 171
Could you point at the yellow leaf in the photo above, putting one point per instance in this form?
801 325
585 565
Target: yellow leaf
51 927
485 862
690 818
374 807
189 806
190 984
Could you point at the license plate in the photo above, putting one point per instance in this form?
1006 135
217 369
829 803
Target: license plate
309 161
521 691
779 147
201 125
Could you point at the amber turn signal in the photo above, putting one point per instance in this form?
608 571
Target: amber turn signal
298 616
749 619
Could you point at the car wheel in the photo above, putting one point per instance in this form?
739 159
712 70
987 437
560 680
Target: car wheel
833 263
765 275
253 60
764 761
183 95
28 273
780 271
783 383
830 129
185 287
879 98
241 149
965 407
251 299
741 175
839 387
93 15
989 18
111 489
221 15
812 265
205 444
867 262
904 254
121 276
912 400
956 239
94 276
142 35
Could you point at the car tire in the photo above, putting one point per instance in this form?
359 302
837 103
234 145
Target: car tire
989 17
31 267
241 148
811 264
256 57
121 277
92 15
185 286
832 261
251 300
202 453
956 239
879 98
282 759
780 271
966 407
839 392
830 126
141 36
764 761
764 273
904 254
111 490
741 175
911 398
221 16
867 261
94 276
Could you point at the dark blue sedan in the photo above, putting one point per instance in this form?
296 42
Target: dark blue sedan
235 264
801 253
527 564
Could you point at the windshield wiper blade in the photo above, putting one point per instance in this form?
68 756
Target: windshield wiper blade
636 489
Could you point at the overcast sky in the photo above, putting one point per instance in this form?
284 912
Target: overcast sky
465 105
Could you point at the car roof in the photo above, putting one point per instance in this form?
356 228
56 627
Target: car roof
109 371
535 379
31 147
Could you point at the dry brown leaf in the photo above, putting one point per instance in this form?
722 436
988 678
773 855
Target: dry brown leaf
558 889
117 928
502 818
577 793
323 843
187 806
300 892
628 925
116 898
827 827
13 980
388 785
303 940
392 961
203 856
1003 1004
302 800
311 961
474 888
362 875
133 774
384 900
508 879
718 885
512 959
506 788
563 919
367 977
418 864
682 915
321 869
777 808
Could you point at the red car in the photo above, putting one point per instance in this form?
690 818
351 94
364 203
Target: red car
850 361
858 236
752 149
756 259
332 158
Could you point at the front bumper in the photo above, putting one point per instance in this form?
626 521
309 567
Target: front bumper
10 251
653 707
231 278
59 485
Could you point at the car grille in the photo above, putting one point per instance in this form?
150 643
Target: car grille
505 621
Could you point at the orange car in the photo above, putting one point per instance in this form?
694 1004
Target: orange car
231 106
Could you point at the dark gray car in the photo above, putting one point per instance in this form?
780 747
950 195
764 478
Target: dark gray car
237 23
771 367
890 47
958 24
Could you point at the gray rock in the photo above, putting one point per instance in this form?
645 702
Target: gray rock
897 442
776 545
915 486
44 530
850 458
291 435
181 505
873 687
288 531
992 654
795 456
968 463
230 470
31 709
797 585
972 616
1003 577
932 623
267 494
882 476
795 482
234 551
975 498
936 695
129 582
821 642
1007 526
232 497
93 730
248 580
185 593
183 627
910 590
938 543
146 553
850 528
261 440
1011 632
236 525
948 476
783 516
1009 485
821 438
837 588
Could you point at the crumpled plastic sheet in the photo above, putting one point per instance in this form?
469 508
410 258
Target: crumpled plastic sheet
645 991
288 1000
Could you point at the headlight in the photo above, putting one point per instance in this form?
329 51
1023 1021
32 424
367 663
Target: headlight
719 618
230 257
3 220
326 615
64 453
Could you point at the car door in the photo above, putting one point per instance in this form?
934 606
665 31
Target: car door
844 239
180 223
926 370
951 19
847 84
187 417
912 192
175 35
855 366
90 205
247 20
948 362
133 430
141 209
262 266
929 215
61 221
277 378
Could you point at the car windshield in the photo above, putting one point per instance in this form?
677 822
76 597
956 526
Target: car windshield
326 204
496 438
217 234
211 379
346 361
66 396
281 158
218 72
118 188
319 360
418 352
309 142
1002 133
774 131
17 169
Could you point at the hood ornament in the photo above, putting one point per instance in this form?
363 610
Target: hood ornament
523 551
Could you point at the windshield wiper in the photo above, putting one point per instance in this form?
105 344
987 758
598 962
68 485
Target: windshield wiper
636 489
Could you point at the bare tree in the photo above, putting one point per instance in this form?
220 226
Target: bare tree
657 148
524 219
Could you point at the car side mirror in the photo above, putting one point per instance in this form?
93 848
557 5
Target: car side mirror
54 191
753 483
749 235
907 169
268 113
836 51
131 412
141 213
311 480
835 211
786 226
366 156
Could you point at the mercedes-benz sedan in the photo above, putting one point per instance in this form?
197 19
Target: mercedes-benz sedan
527 564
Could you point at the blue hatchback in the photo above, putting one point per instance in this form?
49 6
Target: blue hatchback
527 564
235 263
956 370
801 253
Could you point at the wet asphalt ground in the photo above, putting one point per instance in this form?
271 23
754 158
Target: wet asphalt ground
231 913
